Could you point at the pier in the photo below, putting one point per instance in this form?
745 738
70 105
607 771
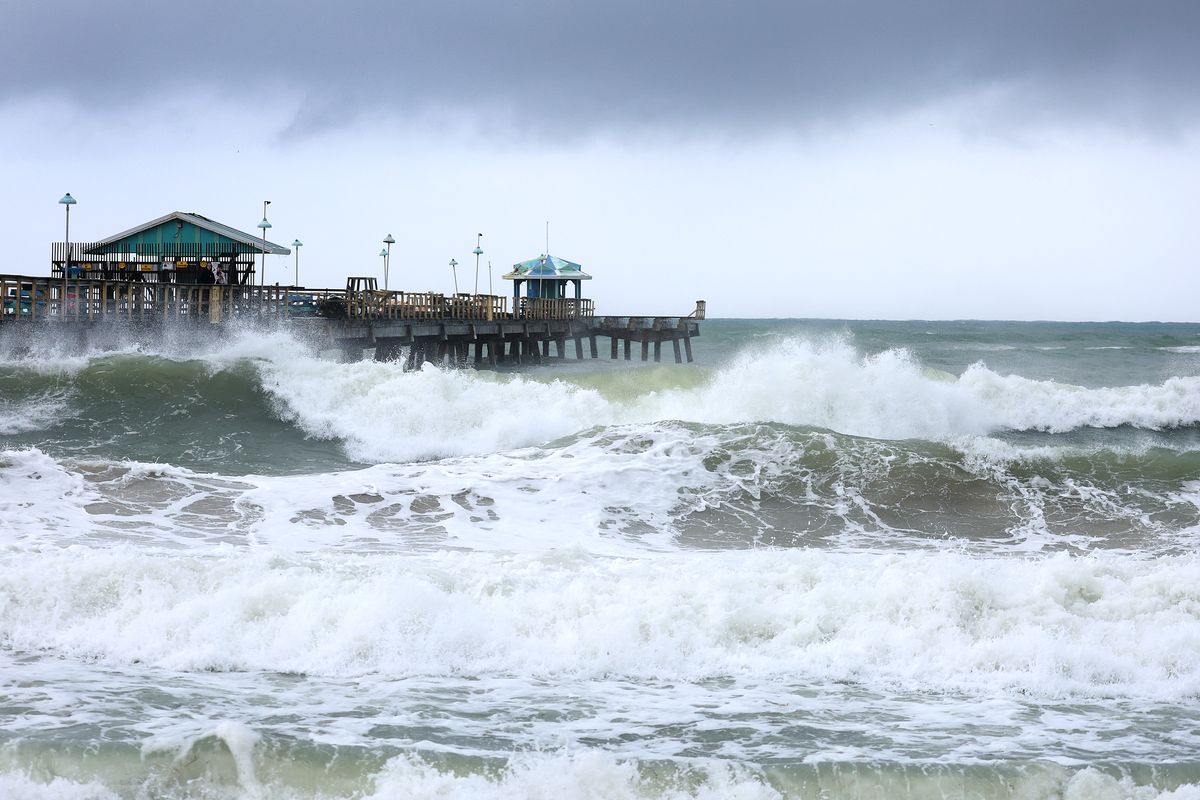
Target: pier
185 269
452 330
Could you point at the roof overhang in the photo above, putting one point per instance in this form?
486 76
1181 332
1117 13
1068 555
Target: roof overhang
249 240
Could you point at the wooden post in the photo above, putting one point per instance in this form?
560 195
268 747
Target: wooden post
592 344
627 348
687 347
578 349
657 351
613 341
214 304
645 350
678 358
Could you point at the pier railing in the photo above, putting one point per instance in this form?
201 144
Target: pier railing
62 299
374 304
564 308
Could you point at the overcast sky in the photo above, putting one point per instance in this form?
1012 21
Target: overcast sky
1018 160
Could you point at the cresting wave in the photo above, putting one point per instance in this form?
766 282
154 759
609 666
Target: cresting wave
1045 627
381 414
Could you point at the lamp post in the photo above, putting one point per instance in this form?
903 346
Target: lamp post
454 270
383 255
297 244
68 201
387 259
478 252
262 278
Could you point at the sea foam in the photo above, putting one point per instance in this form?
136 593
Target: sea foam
1055 626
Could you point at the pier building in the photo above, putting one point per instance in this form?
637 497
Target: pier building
178 247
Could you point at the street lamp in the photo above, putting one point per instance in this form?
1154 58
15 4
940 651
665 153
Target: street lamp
454 269
383 255
68 201
297 244
262 278
478 252
387 259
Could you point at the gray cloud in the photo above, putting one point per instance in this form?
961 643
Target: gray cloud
563 67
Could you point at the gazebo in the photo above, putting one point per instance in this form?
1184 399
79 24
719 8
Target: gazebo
176 248
546 277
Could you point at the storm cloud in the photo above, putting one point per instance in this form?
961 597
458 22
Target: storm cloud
564 68
859 158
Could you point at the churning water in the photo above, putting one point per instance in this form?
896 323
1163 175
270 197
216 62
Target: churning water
828 560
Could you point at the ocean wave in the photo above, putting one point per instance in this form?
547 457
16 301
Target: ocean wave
234 402
657 486
1045 627
383 414
891 395
589 774
1016 403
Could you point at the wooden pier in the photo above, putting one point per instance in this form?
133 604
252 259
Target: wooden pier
453 330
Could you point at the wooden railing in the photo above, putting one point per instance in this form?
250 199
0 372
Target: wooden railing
565 308
372 304
429 305
60 299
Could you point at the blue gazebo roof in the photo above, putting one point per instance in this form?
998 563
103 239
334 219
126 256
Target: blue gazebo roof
547 267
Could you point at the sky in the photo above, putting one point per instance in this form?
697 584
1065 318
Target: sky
932 159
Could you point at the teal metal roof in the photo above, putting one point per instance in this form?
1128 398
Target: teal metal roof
547 267
185 228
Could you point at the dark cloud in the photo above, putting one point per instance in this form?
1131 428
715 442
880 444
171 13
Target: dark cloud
558 67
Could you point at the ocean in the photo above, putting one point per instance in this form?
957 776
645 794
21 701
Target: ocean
830 559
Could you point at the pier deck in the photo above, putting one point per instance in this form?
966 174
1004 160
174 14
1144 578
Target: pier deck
456 330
